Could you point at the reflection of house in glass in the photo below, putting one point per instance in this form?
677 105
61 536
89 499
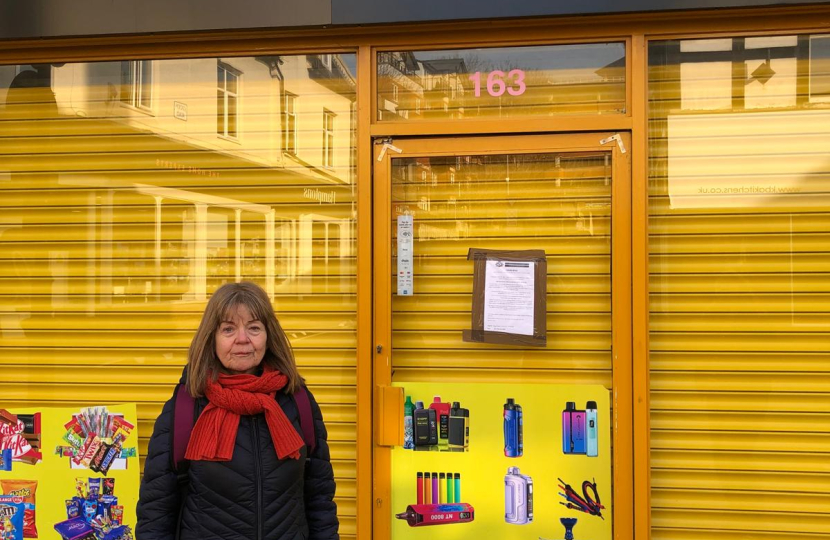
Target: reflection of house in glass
167 178
410 88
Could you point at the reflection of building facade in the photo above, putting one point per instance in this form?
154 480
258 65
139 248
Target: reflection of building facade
205 122
672 165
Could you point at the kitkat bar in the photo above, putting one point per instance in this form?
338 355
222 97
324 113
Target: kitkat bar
31 423
7 418
33 439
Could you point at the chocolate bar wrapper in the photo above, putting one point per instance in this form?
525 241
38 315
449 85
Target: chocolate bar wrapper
112 452
91 450
98 458
32 457
31 423
6 459
129 452
7 418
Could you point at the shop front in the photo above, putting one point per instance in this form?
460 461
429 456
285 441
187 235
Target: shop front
601 242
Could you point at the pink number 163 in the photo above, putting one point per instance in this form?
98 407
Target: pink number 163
498 83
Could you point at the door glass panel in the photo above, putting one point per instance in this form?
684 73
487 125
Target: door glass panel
559 203
584 79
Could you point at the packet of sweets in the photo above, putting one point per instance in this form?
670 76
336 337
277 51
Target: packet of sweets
73 508
117 515
108 486
94 488
129 452
27 489
6 459
90 509
12 510
81 487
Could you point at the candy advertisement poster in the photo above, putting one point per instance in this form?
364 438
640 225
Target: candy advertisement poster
529 460
69 462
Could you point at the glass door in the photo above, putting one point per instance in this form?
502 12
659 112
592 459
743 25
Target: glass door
502 286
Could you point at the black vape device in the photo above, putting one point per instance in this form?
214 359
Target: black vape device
426 426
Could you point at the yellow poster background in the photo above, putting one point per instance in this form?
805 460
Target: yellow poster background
484 465
55 478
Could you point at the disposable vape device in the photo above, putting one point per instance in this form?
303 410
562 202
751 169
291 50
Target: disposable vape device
591 433
426 425
420 515
442 488
420 488
443 412
435 499
459 426
513 444
427 488
573 429
450 484
518 497
408 424
457 490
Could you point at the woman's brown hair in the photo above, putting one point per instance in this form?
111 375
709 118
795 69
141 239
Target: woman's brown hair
202 362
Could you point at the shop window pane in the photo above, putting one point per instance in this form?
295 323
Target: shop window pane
586 79
116 226
739 290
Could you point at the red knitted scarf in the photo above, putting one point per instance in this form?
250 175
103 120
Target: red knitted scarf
214 435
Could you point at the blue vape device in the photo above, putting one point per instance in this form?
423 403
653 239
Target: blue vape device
592 442
513 444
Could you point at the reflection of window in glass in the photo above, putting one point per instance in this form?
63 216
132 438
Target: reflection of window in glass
137 83
395 93
328 138
326 60
290 124
227 100
820 69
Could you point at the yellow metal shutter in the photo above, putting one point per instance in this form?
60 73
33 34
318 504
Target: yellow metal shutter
739 240
120 214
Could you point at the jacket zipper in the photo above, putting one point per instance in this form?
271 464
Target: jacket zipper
258 475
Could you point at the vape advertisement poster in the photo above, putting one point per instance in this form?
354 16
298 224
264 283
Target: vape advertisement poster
507 461
70 473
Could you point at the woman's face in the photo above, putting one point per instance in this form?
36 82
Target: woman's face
241 342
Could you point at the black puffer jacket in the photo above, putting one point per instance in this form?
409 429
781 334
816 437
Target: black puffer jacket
254 496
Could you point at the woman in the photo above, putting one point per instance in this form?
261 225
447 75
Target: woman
248 475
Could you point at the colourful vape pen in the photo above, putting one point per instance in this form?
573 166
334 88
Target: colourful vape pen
420 488
450 496
434 488
427 489
442 488
457 490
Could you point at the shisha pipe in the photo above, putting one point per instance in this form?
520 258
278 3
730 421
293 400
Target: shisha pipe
569 524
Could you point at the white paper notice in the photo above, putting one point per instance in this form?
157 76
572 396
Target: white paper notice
405 252
508 297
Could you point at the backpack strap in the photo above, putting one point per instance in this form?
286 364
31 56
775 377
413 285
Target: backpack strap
306 419
183 413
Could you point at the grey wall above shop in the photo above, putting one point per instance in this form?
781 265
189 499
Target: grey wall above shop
56 18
